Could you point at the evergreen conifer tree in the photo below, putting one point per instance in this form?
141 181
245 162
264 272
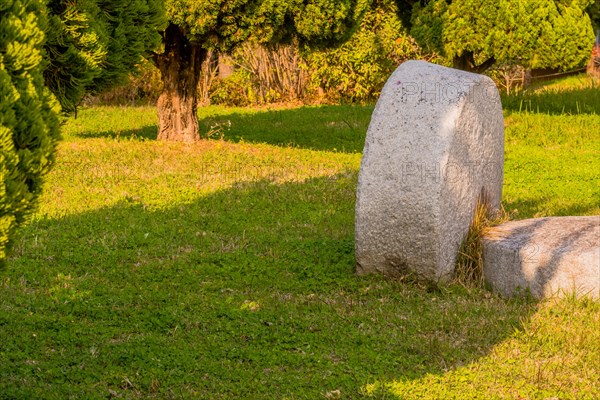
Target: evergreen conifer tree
66 48
93 45
28 114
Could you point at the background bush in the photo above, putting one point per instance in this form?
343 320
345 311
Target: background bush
28 115
272 74
357 71
236 90
142 87
354 72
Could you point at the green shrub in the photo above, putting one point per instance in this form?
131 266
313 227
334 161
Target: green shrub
235 90
358 69
354 72
142 88
478 34
28 115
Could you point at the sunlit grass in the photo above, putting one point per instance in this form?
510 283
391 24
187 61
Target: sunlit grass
554 355
574 95
225 270
552 164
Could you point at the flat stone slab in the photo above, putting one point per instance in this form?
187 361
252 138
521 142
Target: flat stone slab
547 256
434 145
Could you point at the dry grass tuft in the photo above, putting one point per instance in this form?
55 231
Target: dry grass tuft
469 262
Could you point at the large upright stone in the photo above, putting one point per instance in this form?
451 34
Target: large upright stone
435 143
545 256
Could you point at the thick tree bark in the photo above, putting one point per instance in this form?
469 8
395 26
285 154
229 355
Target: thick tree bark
180 67
466 62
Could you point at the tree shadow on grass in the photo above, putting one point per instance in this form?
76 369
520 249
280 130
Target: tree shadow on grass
248 292
574 101
534 208
148 132
329 128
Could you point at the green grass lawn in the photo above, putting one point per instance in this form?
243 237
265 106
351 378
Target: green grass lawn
224 269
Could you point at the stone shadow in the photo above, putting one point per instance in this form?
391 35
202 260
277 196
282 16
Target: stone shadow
544 248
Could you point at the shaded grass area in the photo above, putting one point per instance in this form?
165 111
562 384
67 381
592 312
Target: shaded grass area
245 293
328 128
225 270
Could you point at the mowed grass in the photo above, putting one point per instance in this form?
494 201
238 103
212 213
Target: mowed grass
552 161
225 269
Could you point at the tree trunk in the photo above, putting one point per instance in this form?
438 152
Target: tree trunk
180 67
466 62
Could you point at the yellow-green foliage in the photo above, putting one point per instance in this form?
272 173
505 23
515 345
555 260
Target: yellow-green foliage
355 71
358 69
225 23
28 115
532 33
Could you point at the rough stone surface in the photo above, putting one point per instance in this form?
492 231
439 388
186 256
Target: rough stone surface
435 142
547 256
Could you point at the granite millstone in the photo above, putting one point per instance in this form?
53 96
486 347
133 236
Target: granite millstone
546 256
434 144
